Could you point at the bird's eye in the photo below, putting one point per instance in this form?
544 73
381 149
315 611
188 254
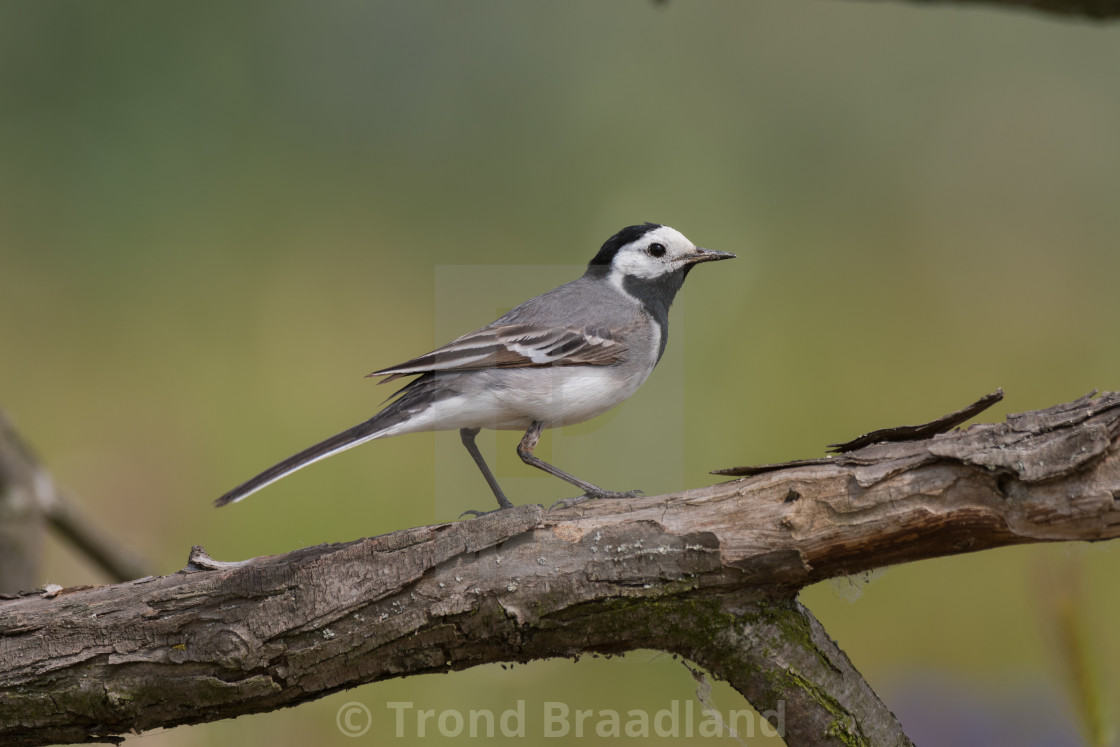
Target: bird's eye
656 250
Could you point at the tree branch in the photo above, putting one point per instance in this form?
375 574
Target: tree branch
21 514
1094 9
709 574
28 495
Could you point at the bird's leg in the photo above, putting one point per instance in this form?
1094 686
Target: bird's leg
525 451
468 434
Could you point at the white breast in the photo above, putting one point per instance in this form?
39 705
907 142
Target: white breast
558 395
514 398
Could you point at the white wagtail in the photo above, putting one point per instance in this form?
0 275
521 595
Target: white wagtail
561 358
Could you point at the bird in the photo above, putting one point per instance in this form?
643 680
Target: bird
560 358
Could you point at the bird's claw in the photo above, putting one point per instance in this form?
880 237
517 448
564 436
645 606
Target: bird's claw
568 502
612 494
476 514
503 504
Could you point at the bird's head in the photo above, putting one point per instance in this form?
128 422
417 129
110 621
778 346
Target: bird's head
650 251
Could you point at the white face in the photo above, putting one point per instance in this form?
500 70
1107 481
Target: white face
659 252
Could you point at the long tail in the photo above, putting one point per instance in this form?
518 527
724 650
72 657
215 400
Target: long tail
348 439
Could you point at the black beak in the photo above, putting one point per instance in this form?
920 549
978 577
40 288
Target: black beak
698 255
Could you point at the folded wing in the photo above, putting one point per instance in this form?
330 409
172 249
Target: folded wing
516 346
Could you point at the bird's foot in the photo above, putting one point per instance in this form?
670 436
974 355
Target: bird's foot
569 502
593 494
475 514
613 494
503 503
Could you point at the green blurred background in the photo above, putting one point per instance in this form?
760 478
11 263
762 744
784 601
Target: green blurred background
215 218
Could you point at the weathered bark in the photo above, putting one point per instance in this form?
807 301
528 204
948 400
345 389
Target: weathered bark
709 574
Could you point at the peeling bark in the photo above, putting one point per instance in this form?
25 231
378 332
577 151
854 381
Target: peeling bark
709 574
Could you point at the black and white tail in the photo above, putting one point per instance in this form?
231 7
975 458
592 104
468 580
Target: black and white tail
348 439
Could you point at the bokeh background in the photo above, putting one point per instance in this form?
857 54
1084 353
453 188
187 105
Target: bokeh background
216 217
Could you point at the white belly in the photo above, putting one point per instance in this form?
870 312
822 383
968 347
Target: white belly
515 398
563 395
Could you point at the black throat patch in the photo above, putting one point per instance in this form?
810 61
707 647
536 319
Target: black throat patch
656 295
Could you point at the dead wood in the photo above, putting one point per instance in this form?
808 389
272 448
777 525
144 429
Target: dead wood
709 574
